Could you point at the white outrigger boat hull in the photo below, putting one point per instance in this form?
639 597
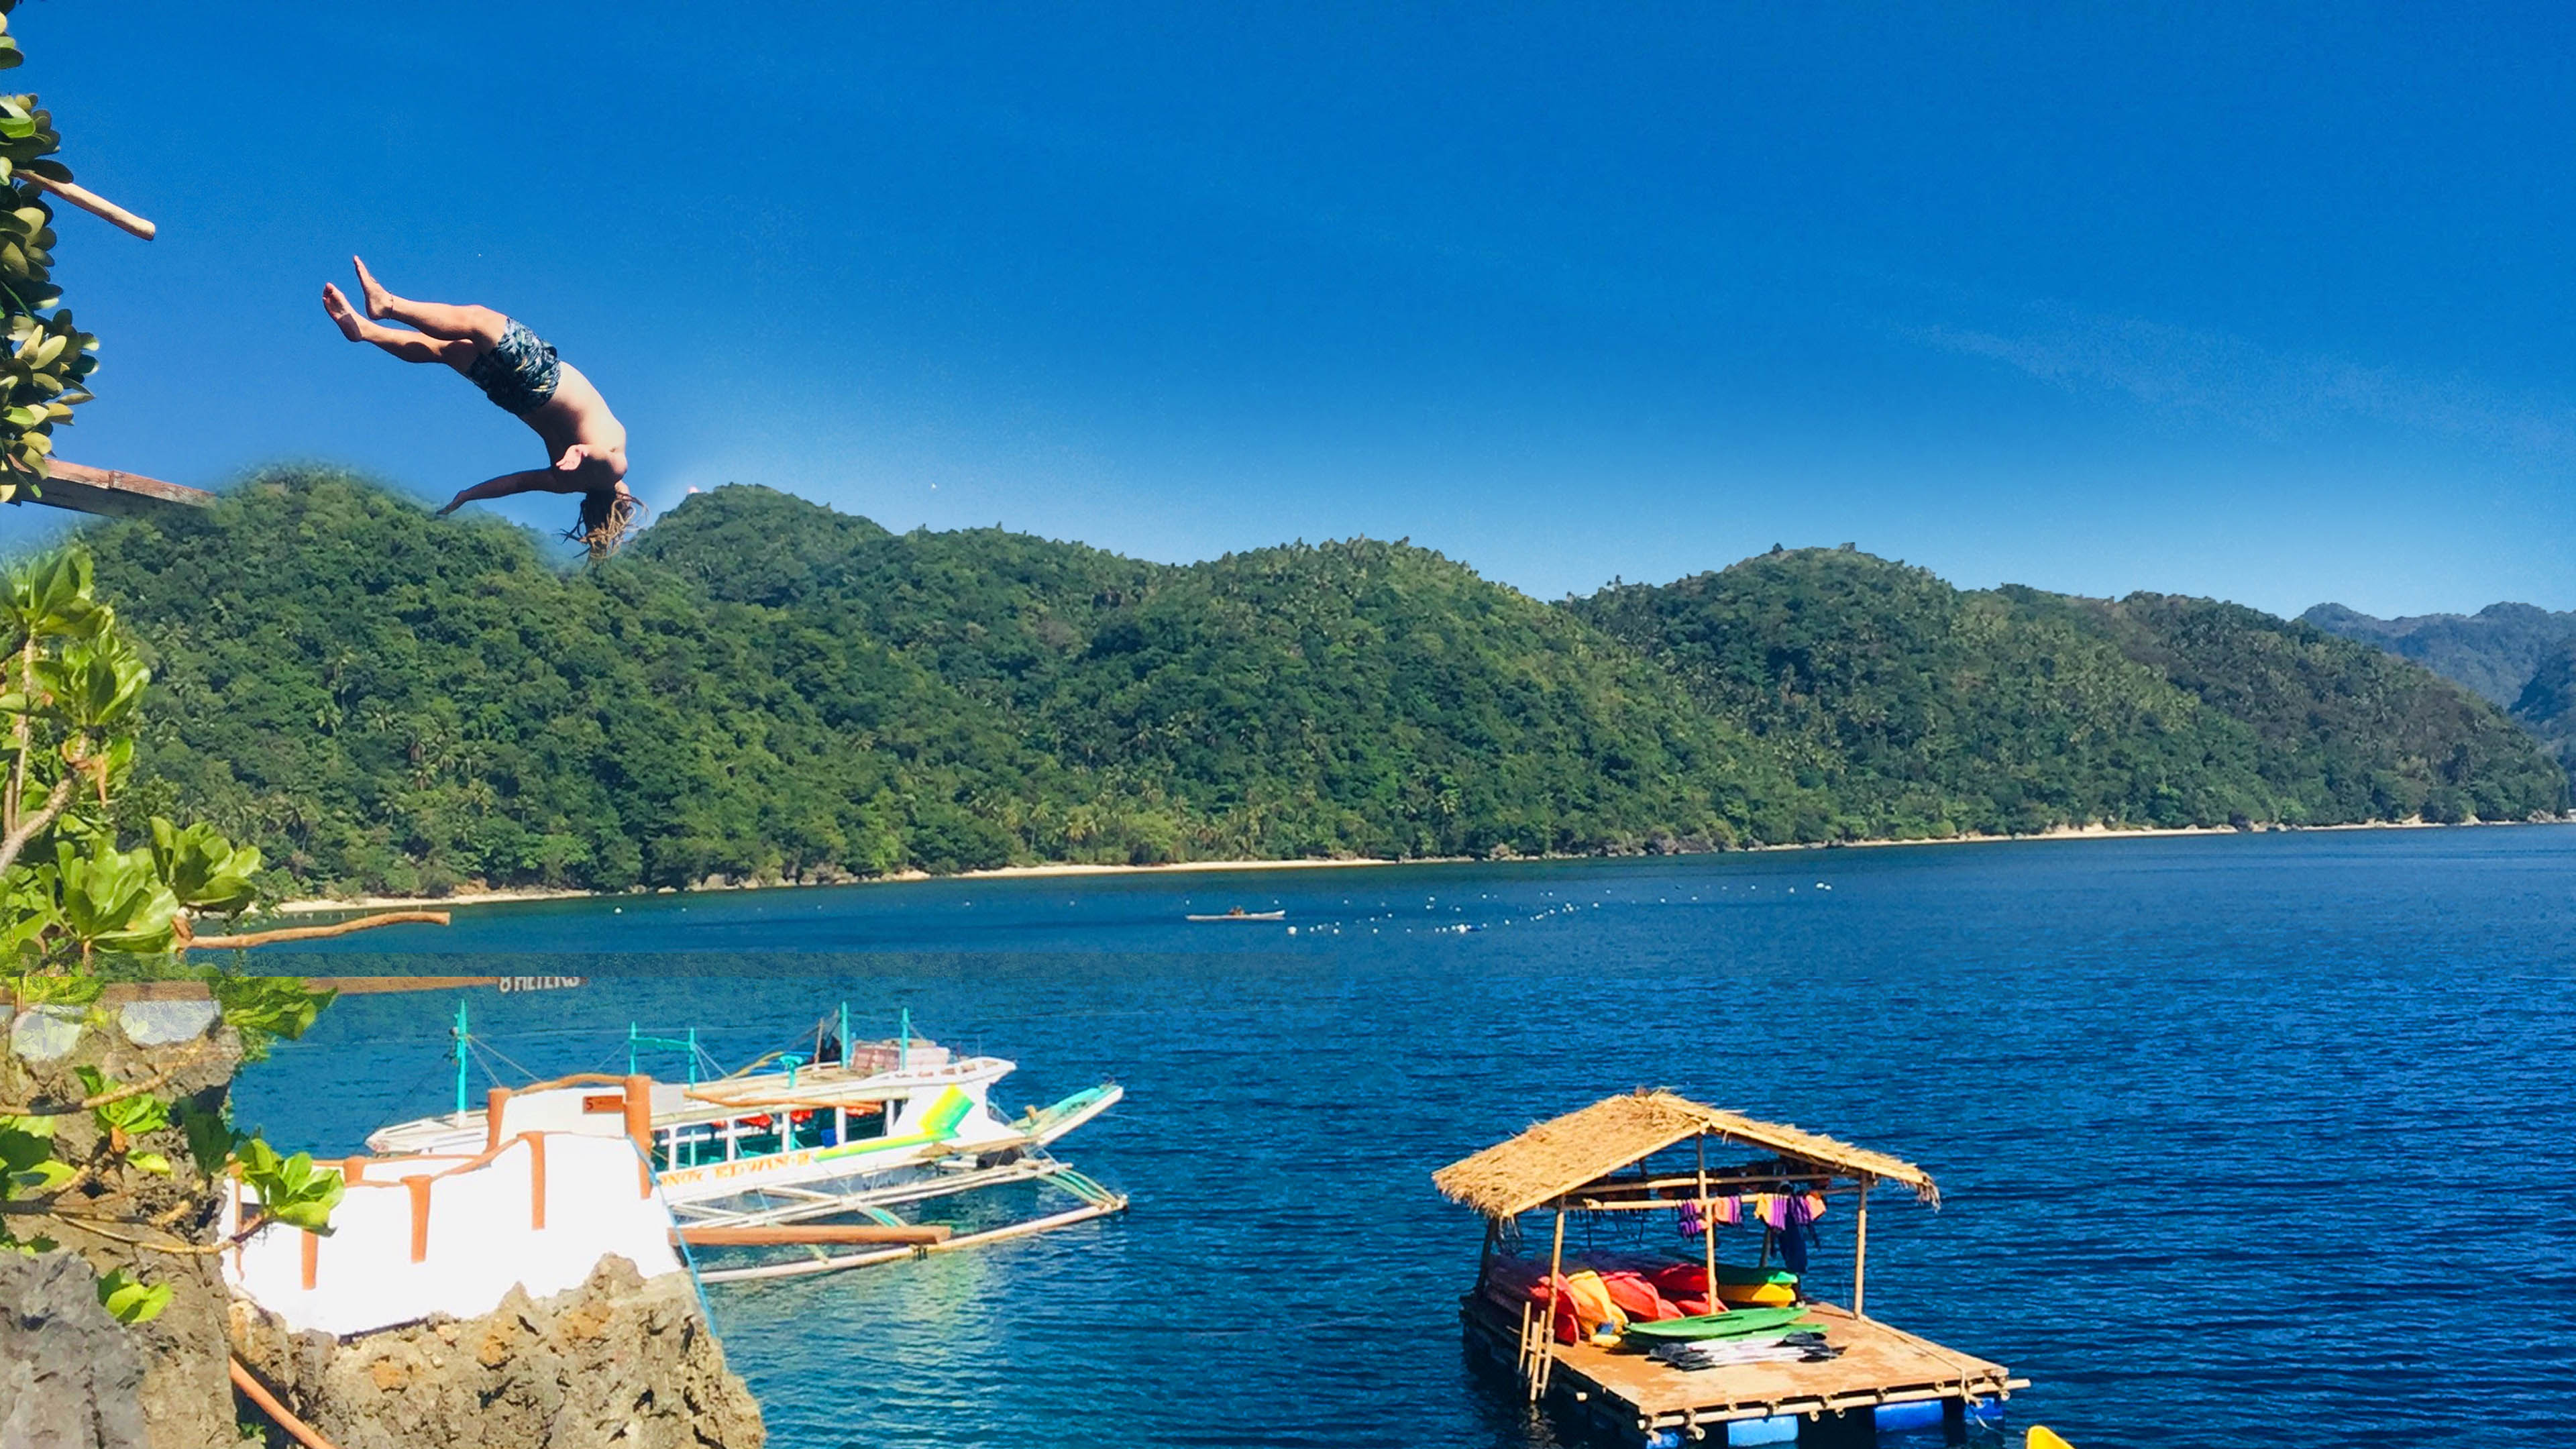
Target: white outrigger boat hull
742 1160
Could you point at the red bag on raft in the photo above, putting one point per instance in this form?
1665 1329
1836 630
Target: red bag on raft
1679 1278
1637 1297
1562 1324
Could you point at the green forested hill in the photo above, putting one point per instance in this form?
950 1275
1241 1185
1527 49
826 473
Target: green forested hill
1354 697
2547 705
1921 709
763 687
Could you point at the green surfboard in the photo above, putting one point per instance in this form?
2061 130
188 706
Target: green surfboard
1742 1323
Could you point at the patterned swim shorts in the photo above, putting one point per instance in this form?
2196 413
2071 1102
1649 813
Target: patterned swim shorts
519 372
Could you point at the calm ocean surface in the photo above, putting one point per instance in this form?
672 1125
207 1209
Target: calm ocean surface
2259 1139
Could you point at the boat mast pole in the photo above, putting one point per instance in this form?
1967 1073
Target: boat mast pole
460 1061
845 1036
903 1043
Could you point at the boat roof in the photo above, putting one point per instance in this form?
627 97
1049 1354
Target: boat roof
1564 1155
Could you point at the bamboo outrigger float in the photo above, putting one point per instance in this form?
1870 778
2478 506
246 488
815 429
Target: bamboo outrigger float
1818 1370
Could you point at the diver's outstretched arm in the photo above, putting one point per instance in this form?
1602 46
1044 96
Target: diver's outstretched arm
532 480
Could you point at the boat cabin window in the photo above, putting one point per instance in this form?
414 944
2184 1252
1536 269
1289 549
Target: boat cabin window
692 1144
862 1122
756 1136
810 1127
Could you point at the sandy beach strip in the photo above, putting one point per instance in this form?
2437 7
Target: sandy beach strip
1068 868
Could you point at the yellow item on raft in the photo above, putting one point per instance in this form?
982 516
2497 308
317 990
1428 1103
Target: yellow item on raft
1594 1313
1757 1295
2042 1437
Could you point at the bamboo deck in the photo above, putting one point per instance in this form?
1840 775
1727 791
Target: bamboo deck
1880 1364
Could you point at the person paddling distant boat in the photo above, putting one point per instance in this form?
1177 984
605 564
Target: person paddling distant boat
522 375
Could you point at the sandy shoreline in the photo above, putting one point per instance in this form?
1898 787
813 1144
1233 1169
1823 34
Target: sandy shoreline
1008 872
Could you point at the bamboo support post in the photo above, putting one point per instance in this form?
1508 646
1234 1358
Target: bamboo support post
1546 1359
93 203
1860 1246
1708 1229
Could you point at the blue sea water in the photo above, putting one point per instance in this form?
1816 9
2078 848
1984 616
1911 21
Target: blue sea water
2249 1139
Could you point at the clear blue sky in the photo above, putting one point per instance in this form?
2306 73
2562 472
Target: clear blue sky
2266 303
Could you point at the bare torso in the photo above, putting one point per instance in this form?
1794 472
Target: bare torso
575 417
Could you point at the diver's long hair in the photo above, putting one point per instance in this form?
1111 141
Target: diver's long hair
608 518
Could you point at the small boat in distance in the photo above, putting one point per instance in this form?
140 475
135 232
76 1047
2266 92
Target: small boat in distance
1240 914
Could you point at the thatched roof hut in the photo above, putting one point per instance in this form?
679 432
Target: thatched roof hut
1564 1156
1614 1170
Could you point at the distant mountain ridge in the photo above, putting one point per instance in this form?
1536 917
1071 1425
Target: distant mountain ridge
2494 651
763 688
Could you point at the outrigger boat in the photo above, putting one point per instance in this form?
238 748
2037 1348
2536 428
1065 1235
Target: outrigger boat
1240 914
767 1170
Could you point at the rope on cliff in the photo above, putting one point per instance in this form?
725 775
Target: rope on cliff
257 1392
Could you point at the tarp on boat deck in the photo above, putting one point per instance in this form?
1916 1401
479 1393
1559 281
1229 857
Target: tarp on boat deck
1566 1153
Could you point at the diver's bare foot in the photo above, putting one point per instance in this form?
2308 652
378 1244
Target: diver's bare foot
373 290
341 312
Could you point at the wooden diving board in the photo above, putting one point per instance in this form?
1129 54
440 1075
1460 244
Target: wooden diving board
109 493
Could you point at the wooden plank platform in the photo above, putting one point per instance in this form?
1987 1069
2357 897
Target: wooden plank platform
1880 1364
117 495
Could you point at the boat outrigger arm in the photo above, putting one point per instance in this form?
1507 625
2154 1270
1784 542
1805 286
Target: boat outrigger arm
954 1168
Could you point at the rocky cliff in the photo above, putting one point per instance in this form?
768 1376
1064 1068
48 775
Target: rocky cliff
189 1054
618 1363
70 1378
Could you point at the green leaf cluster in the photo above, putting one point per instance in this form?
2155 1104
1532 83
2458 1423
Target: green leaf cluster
291 1189
129 1300
72 705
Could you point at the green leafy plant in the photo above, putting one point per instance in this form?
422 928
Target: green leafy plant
291 1189
78 893
265 1008
211 1136
204 871
129 1300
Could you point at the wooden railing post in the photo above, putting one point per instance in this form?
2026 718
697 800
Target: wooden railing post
419 1217
639 1126
536 1180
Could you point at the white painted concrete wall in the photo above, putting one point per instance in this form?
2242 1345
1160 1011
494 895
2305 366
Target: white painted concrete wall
480 1239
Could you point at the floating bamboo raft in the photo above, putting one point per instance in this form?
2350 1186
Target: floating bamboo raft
1624 1156
1633 1398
